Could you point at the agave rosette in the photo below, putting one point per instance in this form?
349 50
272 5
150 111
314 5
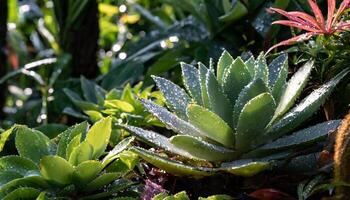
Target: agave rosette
238 119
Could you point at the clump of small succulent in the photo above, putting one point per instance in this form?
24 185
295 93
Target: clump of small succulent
122 105
73 165
237 120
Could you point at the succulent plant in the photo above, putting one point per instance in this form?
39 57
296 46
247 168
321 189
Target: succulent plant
69 169
238 121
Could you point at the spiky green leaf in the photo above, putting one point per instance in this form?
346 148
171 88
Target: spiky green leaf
191 80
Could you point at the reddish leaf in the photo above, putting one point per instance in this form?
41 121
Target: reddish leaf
296 25
341 9
270 194
317 12
292 40
331 9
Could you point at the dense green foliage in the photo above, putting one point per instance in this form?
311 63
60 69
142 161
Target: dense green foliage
234 123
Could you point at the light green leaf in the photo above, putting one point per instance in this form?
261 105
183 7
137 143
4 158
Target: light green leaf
246 167
235 78
68 135
119 104
171 166
176 98
253 89
202 149
190 76
81 153
39 146
22 193
4 136
224 62
74 143
211 125
94 115
306 107
98 136
114 153
293 89
86 171
252 121
56 169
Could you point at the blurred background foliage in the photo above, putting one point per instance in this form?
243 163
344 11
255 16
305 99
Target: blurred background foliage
52 43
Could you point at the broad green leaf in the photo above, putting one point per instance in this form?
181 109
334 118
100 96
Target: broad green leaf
114 153
278 72
235 13
252 121
86 171
191 80
202 149
81 153
98 136
17 164
68 135
130 159
101 181
218 101
171 166
114 94
304 136
235 78
224 62
88 88
4 136
175 97
7 176
305 108
203 70
253 89
245 167
39 146
170 120
32 180
211 125
74 143
119 104
56 169
157 140
76 99
22 193
261 68
41 196
94 115
293 89
51 130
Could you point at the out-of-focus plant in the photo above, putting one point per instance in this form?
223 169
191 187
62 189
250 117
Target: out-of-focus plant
122 105
68 166
236 121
